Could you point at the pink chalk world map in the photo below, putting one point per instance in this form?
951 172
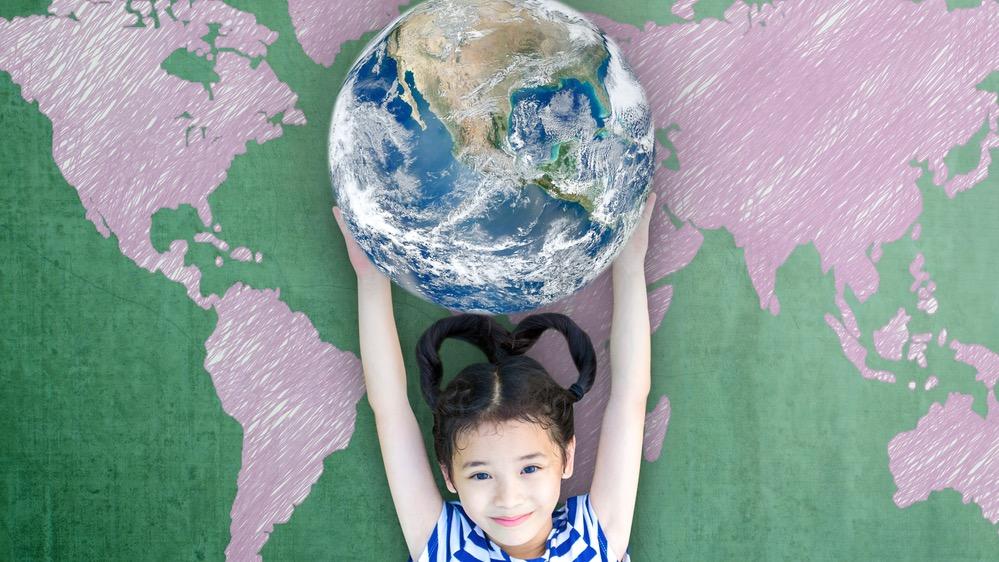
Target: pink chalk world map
789 124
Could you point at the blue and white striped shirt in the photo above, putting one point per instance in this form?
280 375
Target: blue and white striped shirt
576 535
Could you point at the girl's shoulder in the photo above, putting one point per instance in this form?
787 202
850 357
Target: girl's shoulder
576 534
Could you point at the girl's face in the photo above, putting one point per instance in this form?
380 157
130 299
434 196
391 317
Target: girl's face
508 477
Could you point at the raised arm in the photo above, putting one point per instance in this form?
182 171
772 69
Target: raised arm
619 453
418 502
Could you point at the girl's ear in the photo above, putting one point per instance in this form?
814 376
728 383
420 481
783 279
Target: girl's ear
447 481
570 458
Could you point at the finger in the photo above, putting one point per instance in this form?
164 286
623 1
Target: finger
650 205
339 218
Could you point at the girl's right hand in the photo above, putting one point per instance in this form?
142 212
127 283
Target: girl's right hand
633 254
363 267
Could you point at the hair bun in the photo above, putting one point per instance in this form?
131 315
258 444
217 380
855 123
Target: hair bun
479 330
504 346
584 356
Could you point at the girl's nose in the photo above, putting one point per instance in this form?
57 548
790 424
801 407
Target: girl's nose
508 493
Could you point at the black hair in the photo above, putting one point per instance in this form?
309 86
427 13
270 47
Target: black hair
511 386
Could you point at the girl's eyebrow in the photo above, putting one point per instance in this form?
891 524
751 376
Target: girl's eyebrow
471 464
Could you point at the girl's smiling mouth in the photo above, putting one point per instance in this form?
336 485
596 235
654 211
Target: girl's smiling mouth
510 522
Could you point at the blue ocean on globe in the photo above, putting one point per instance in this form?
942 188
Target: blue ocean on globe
491 156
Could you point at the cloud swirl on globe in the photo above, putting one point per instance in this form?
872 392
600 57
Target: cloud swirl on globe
491 156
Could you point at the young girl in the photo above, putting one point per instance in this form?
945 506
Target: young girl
503 430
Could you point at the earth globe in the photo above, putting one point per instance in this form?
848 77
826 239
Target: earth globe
491 156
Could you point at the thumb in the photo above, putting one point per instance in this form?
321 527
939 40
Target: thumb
650 206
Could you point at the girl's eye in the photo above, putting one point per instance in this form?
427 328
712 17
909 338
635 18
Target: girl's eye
485 476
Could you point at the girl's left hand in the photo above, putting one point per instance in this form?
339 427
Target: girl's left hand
633 254
363 268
